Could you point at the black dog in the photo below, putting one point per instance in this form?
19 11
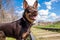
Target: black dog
20 29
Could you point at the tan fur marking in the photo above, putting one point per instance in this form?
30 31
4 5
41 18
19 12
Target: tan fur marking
27 16
24 35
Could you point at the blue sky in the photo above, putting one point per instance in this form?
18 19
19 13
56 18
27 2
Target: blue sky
48 10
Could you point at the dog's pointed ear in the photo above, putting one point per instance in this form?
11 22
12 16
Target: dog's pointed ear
25 4
35 4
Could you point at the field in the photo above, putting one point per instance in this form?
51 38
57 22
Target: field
10 38
41 34
54 25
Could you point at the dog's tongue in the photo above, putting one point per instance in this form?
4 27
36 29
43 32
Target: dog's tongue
33 17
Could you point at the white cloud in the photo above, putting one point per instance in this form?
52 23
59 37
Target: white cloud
48 4
43 12
43 16
20 13
58 18
49 7
53 16
54 0
42 19
39 5
22 5
38 18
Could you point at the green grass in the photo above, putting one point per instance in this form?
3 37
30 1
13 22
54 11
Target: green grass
8 38
55 25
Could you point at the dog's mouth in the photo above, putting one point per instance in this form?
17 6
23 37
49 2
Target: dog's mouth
32 17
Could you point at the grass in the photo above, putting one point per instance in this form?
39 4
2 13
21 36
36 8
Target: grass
8 38
55 25
39 33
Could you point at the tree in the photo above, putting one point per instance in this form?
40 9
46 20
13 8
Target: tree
9 5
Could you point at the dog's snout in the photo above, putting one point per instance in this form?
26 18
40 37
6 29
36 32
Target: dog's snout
34 14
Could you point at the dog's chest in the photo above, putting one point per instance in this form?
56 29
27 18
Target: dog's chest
25 32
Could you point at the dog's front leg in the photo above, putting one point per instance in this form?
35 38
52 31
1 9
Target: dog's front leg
20 38
2 36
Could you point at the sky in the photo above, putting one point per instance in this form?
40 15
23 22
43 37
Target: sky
48 10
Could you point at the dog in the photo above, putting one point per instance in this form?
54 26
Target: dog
20 29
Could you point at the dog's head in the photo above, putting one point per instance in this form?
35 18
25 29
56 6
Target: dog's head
30 12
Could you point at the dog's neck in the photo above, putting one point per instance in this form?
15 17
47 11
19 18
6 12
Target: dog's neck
25 23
